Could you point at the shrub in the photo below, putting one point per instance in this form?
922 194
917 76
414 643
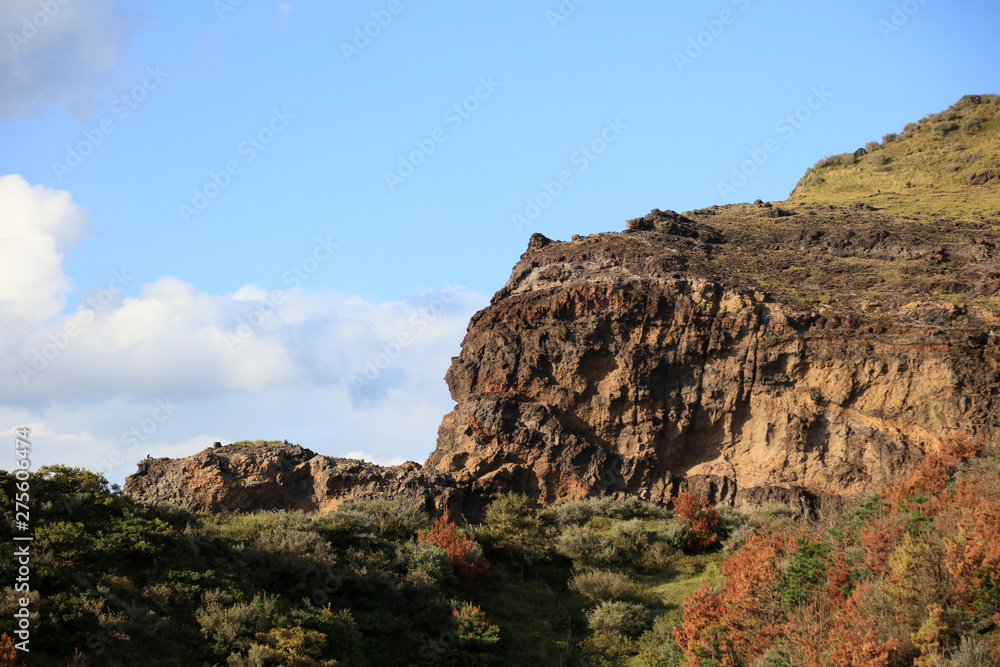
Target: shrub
427 558
841 160
944 128
631 537
872 146
674 533
398 516
472 626
605 585
8 653
459 549
730 519
971 126
879 160
613 617
910 129
233 625
889 138
347 521
973 652
806 571
514 527
572 511
657 646
585 547
700 516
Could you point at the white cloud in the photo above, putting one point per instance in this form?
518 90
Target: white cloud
59 52
38 225
334 372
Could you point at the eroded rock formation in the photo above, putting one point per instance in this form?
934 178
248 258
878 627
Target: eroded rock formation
271 476
639 364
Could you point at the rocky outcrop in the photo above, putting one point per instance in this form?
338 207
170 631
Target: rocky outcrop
637 364
273 476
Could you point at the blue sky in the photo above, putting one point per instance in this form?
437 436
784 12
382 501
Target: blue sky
234 208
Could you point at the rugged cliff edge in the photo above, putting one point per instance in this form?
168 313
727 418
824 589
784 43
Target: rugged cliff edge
279 475
622 363
792 351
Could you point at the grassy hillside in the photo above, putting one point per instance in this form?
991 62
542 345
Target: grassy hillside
373 583
948 163
907 577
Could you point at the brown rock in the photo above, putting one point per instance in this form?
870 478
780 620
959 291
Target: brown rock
249 477
625 367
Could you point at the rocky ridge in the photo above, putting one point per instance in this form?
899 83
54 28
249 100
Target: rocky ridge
280 476
798 351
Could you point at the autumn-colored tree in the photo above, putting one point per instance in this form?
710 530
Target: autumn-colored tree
8 652
699 515
896 580
458 547
740 621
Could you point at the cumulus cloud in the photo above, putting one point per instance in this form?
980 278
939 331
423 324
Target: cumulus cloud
38 225
60 52
333 371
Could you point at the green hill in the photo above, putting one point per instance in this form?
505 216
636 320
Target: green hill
947 163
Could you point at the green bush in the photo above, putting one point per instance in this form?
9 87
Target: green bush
515 529
427 558
631 539
889 138
657 647
841 160
878 160
674 533
943 129
972 125
399 517
806 571
872 146
605 585
584 546
613 617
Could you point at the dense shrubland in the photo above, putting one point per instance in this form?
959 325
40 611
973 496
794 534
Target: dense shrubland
906 577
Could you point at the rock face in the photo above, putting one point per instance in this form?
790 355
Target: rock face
643 363
249 477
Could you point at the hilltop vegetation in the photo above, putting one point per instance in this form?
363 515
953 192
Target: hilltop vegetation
947 163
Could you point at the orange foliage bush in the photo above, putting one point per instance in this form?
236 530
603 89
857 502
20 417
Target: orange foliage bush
931 544
743 618
444 533
700 517
8 653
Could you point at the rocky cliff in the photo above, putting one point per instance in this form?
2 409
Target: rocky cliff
792 351
652 360
279 475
